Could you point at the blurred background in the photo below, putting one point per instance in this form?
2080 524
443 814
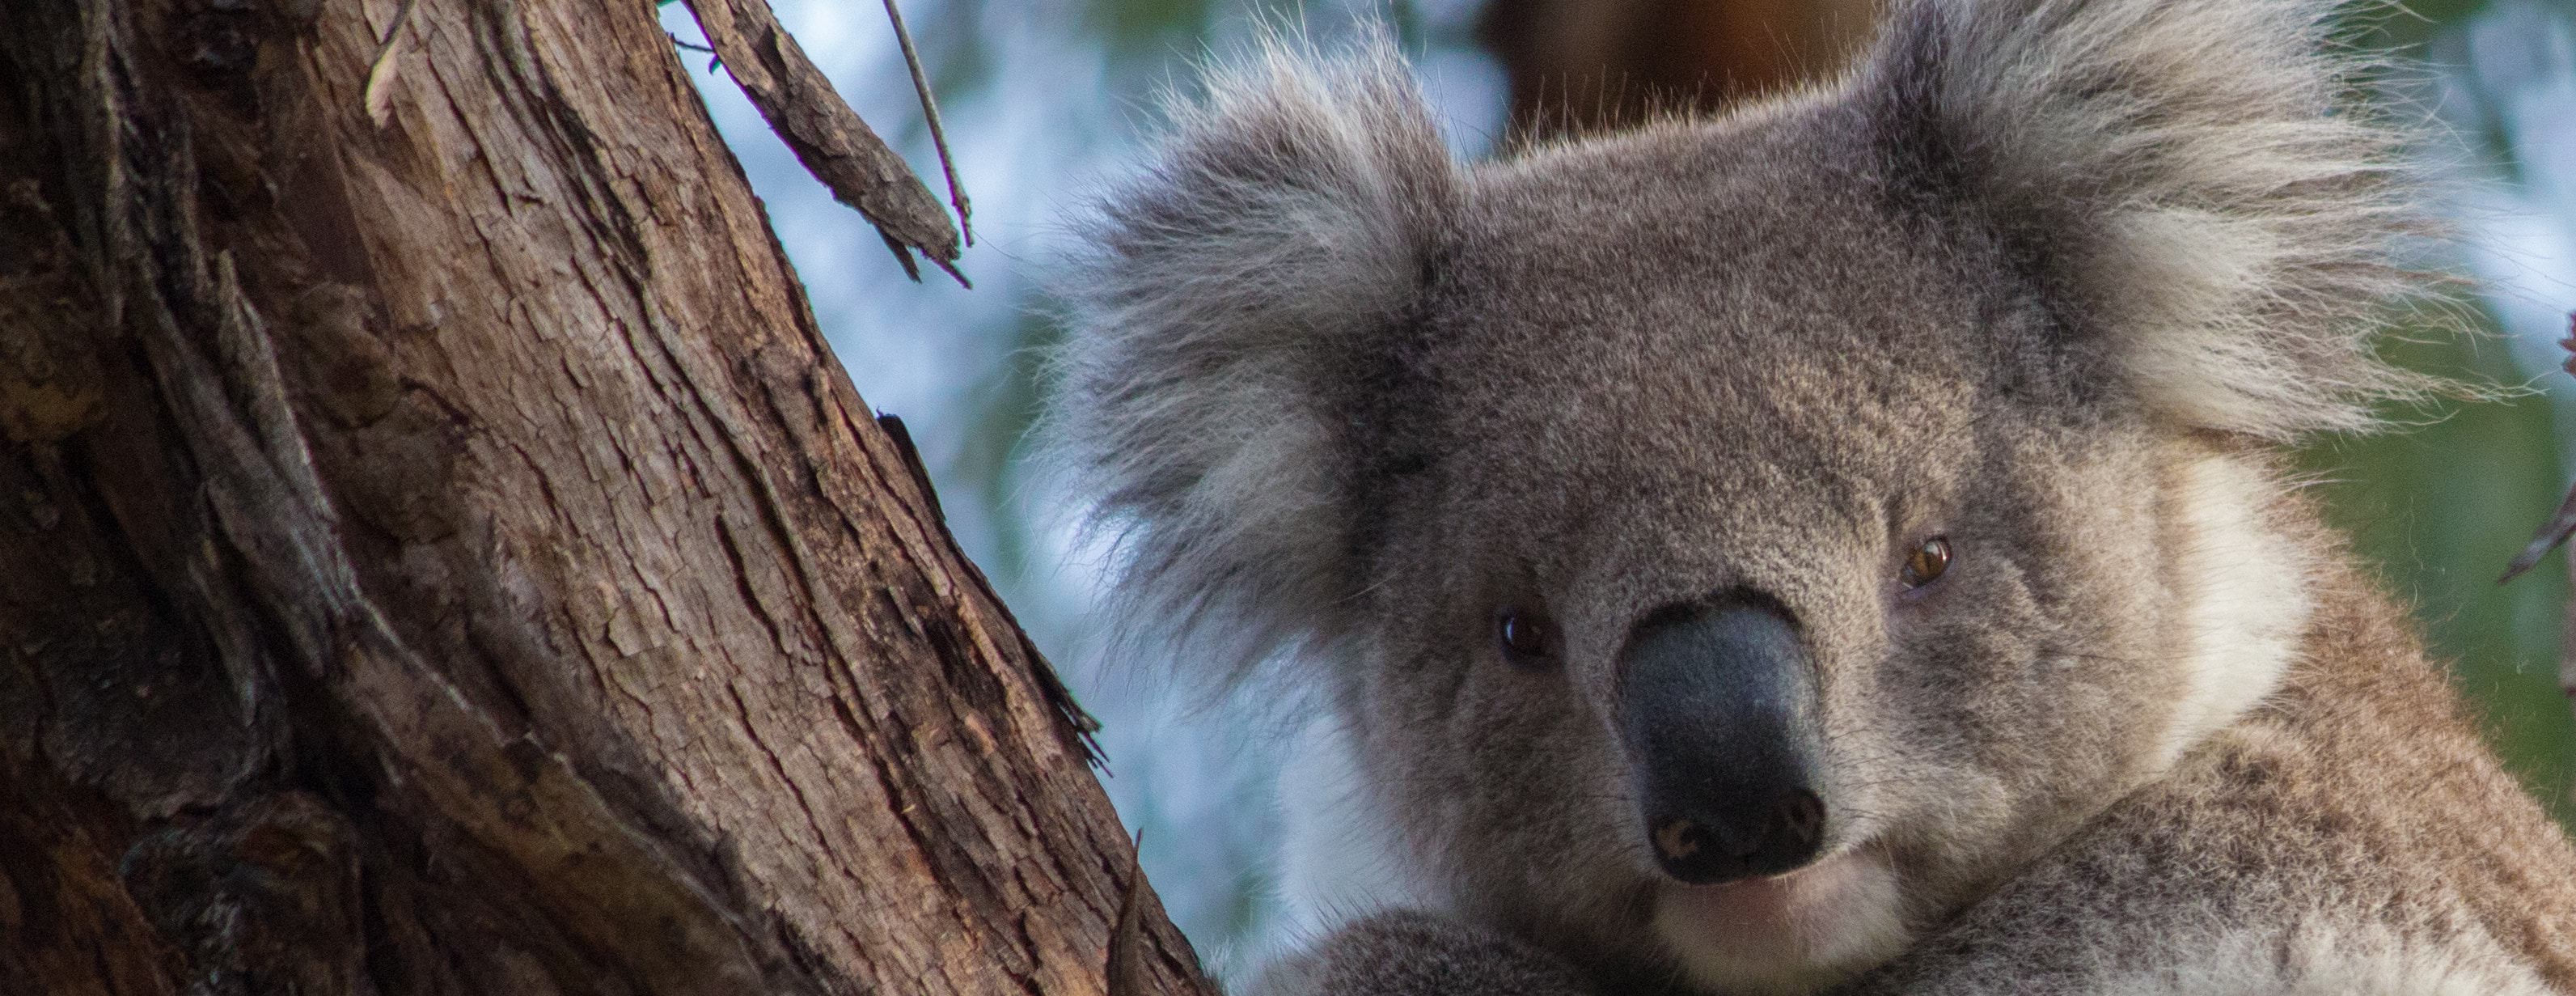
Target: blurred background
1046 100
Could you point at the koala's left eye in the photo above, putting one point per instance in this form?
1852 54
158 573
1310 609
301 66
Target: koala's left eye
1927 563
1528 639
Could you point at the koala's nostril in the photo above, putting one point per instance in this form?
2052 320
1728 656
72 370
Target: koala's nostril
1726 845
1797 823
1679 840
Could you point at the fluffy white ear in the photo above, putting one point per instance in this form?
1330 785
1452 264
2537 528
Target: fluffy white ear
2188 184
1229 307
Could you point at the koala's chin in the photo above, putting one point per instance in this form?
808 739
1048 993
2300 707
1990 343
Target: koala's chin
1845 544
1789 933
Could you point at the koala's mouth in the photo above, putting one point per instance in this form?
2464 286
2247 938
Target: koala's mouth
1792 932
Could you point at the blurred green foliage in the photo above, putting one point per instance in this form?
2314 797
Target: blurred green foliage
2417 21
2438 510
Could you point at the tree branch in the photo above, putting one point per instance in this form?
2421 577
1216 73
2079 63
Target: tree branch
828 137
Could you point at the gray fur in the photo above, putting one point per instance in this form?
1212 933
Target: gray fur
2045 277
2173 172
1230 306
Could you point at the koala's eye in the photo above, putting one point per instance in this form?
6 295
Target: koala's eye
1926 563
1528 639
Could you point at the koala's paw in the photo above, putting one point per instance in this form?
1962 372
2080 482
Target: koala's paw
1417 954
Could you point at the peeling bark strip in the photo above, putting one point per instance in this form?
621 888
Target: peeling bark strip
443 558
838 148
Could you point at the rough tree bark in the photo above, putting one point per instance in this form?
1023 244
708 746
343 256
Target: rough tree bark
443 557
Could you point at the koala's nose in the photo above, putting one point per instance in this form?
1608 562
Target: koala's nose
1717 708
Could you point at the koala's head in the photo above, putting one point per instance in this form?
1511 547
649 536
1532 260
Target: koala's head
1734 545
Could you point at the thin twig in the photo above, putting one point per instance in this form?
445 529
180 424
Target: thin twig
2557 530
930 111
714 61
2563 524
380 70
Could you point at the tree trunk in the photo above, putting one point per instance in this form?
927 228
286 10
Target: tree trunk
443 557
1589 65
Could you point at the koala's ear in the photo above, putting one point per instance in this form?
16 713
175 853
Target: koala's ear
1224 312
2187 183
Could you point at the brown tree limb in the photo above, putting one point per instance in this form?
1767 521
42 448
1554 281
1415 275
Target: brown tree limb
839 149
1578 66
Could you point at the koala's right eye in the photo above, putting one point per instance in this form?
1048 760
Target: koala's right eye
1926 564
1528 639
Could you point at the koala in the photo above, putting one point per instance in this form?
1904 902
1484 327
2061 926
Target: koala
1840 545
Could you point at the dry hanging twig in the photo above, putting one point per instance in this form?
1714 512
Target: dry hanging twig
839 149
930 113
2563 524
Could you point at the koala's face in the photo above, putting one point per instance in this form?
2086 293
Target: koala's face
1735 546
1796 553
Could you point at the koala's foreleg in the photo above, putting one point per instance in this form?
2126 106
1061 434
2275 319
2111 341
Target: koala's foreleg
1418 954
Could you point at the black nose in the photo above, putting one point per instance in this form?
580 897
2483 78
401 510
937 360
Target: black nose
1718 707
1761 840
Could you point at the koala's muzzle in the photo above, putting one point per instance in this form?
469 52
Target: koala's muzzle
1717 710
